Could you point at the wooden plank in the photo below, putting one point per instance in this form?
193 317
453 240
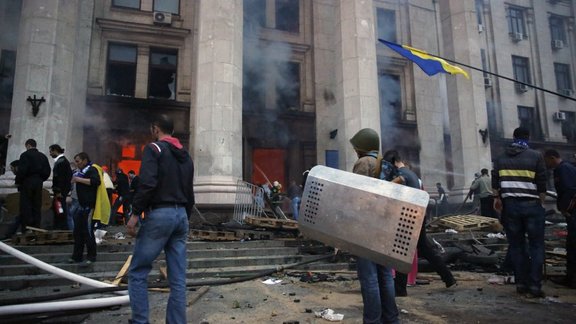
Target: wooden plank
122 271
214 235
272 223
164 273
36 229
467 222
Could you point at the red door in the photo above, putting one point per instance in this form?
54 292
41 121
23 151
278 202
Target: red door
269 165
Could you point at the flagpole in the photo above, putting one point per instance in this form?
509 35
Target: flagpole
495 74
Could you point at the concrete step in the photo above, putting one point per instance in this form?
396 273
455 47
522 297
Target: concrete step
52 258
193 274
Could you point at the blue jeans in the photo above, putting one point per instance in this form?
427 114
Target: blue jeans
161 229
521 218
72 209
295 207
571 248
377 286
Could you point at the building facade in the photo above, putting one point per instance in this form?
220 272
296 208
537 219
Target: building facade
262 90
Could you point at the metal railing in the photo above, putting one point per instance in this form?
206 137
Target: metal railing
249 201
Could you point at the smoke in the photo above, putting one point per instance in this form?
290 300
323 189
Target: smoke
270 77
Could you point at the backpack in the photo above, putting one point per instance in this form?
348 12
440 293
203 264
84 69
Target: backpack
384 169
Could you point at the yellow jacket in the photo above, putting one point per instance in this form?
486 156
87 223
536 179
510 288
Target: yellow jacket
102 209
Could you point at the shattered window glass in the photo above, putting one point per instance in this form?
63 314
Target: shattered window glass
162 73
121 73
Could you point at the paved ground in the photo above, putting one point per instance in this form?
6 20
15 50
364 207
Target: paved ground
474 300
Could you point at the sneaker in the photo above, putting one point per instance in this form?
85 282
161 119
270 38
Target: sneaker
72 260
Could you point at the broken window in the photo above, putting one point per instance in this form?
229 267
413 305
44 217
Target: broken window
288 88
121 71
133 4
171 6
162 73
288 15
386 20
252 90
7 68
390 100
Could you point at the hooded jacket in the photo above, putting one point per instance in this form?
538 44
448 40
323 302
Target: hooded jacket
520 173
166 177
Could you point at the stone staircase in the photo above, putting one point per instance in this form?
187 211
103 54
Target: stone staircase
206 260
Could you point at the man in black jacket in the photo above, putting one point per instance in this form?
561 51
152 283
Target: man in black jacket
162 205
61 185
123 191
86 180
33 170
519 184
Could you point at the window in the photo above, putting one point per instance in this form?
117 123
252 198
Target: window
288 15
527 119
171 6
386 20
516 21
390 100
254 15
569 126
479 4
557 31
121 72
563 80
134 4
271 86
276 14
288 87
162 73
484 62
521 69
7 68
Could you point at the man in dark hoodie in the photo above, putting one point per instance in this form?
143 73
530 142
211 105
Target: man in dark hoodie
519 183
162 205
33 170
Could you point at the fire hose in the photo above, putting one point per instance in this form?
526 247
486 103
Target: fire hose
40 304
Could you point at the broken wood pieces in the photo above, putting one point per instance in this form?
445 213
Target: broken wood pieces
38 236
286 224
122 273
213 235
468 222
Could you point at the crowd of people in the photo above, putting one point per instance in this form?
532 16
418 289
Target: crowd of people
158 202
515 195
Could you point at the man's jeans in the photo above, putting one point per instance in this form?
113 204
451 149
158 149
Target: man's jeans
523 217
162 228
295 207
377 286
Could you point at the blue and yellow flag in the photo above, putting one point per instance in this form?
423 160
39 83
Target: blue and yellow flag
428 63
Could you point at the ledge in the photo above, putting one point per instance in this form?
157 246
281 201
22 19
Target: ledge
131 27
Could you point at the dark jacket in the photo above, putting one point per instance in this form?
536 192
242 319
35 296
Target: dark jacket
166 177
122 184
87 193
519 173
61 176
33 166
565 184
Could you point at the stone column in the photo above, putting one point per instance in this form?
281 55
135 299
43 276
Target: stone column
52 62
356 75
217 110
466 98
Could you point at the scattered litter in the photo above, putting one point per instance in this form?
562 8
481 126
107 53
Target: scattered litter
99 234
496 235
403 311
328 314
559 250
548 223
501 280
553 300
119 236
236 304
451 231
271 281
